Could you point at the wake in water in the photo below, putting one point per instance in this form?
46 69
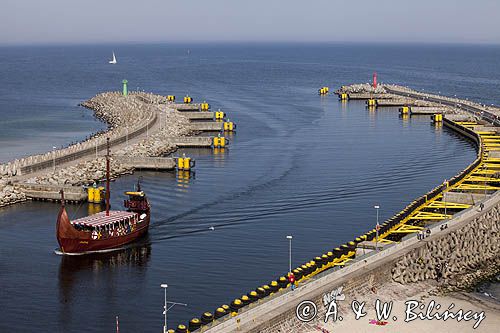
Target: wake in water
60 253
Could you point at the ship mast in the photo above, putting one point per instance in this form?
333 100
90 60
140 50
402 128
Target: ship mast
107 177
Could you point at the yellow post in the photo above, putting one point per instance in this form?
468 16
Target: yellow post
97 195
344 96
180 163
216 141
90 194
222 142
405 110
187 163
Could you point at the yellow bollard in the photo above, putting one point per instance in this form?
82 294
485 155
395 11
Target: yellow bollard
344 96
98 193
180 163
438 117
90 194
219 115
171 98
222 142
187 99
217 142
372 102
229 126
187 163
405 110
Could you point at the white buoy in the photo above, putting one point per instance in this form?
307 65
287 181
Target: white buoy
211 228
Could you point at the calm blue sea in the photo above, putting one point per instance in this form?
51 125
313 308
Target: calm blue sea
298 164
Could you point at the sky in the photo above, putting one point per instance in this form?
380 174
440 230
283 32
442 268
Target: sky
118 21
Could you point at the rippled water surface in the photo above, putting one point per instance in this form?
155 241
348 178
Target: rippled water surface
299 164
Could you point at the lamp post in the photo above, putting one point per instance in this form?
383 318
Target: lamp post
54 158
444 199
377 227
289 253
165 286
486 175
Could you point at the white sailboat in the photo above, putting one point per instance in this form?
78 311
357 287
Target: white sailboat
113 61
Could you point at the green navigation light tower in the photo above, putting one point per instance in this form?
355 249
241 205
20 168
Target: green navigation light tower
125 90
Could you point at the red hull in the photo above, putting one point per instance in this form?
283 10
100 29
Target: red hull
74 241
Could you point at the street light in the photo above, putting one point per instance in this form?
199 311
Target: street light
54 157
485 166
290 254
165 286
377 227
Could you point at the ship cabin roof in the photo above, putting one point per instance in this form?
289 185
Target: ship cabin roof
100 219
135 194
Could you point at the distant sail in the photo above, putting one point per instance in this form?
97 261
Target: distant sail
114 59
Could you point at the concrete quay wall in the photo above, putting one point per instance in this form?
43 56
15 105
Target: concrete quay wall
465 243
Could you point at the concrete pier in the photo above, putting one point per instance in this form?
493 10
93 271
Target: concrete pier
364 96
427 110
205 115
186 107
400 102
147 163
192 141
46 192
207 126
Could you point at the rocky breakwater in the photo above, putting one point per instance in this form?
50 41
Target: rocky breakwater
361 88
459 259
138 125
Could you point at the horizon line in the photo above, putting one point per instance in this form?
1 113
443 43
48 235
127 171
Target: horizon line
200 42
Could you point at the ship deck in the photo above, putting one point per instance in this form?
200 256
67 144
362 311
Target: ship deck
101 219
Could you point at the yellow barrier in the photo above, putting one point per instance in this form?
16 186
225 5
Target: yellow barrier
219 142
90 194
205 106
371 102
185 163
171 98
344 96
99 194
438 117
229 126
95 195
188 99
323 90
405 110
219 115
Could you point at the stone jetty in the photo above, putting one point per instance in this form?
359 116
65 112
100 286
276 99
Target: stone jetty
140 124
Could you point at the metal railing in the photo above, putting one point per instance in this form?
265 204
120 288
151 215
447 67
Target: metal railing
49 163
